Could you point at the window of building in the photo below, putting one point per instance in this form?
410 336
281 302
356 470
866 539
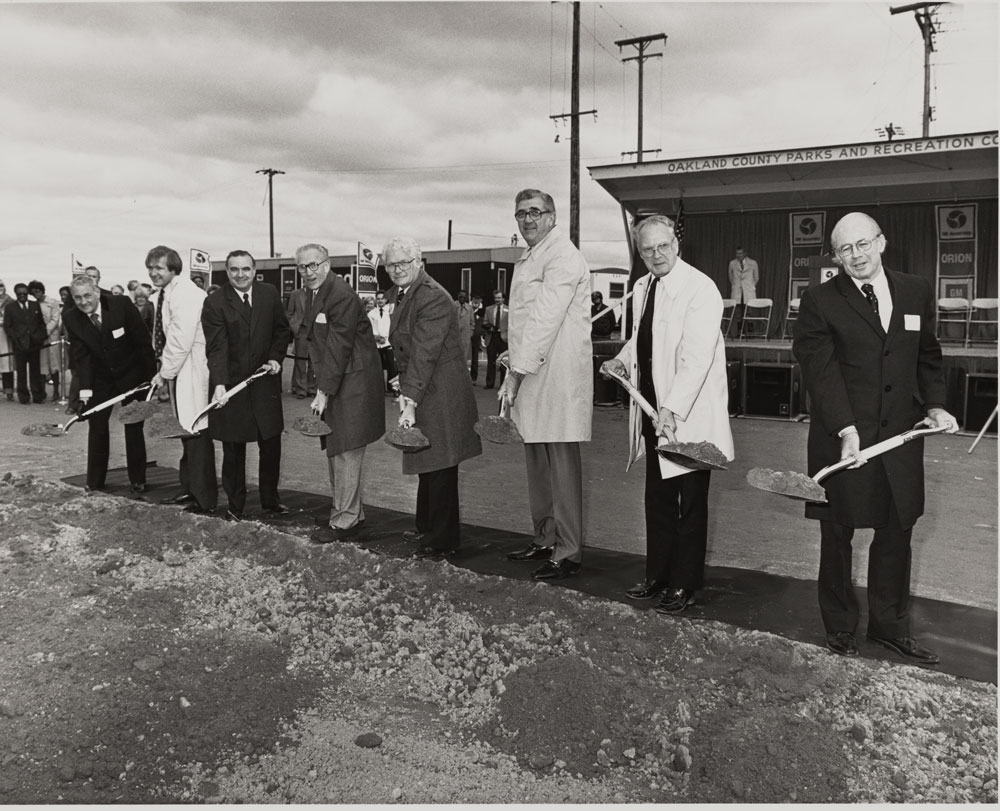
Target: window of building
616 289
502 280
466 280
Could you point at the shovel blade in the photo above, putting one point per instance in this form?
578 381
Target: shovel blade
312 426
694 455
43 429
137 412
499 430
789 484
408 440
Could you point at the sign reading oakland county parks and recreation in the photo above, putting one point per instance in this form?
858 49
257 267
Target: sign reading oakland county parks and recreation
791 157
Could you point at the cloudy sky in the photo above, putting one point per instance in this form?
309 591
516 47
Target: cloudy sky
125 125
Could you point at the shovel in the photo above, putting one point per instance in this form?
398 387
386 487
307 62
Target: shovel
52 429
312 426
174 430
139 411
805 488
692 455
500 429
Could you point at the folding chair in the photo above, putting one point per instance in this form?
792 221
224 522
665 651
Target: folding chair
728 308
953 317
790 317
758 311
981 322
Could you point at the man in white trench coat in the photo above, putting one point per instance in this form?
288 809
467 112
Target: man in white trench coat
179 345
550 385
676 358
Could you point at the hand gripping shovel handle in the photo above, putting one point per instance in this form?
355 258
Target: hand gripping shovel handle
229 393
878 449
106 404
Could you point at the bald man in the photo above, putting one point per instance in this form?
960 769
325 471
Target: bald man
872 364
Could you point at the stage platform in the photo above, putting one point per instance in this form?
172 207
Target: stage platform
965 636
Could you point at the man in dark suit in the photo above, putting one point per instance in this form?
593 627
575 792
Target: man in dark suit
349 387
495 321
246 329
25 328
435 392
112 354
303 374
872 364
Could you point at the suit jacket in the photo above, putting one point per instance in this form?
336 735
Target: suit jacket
347 364
689 361
183 360
883 383
115 358
550 340
297 310
148 314
743 281
237 343
430 355
26 329
489 321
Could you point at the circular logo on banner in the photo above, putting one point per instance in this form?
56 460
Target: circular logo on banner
200 257
807 225
956 219
367 254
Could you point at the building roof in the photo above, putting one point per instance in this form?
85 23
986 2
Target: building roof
950 167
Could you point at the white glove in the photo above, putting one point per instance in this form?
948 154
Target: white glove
319 404
407 415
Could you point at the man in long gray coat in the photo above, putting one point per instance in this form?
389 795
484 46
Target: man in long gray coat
550 385
435 394
348 387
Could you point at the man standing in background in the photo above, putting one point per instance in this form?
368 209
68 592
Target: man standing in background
743 278
380 317
303 375
495 324
52 316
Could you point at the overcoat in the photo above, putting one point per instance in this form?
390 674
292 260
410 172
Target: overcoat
115 358
549 338
743 281
882 383
51 314
428 344
183 360
689 361
238 341
348 369
6 348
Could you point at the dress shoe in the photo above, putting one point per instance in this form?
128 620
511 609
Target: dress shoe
674 601
556 569
432 553
137 488
277 509
95 489
532 552
179 498
232 515
645 590
907 646
196 509
842 643
330 534
413 535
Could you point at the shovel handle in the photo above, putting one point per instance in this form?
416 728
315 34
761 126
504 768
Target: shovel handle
234 390
878 449
633 392
611 307
150 393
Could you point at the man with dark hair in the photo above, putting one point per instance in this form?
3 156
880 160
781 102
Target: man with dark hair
495 324
380 316
179 343
299 306
112 354
48 365
743 278
25 328
551 384
601 328
246 329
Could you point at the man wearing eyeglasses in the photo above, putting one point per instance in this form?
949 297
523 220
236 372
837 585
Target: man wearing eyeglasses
348 387
871 361
676 358
550 385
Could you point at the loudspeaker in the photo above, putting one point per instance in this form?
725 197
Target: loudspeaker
734 373
980 398
771 389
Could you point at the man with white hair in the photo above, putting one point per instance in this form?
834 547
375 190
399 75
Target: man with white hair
872 363
348 387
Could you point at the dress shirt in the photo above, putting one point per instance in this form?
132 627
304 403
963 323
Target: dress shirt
881 286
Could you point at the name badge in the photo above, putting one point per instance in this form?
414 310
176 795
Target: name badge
117 333
320 318
911 323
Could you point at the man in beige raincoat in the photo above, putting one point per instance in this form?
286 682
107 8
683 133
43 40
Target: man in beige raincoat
550 385
179 344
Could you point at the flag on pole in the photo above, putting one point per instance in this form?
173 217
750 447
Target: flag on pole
367 258
679 224
74 265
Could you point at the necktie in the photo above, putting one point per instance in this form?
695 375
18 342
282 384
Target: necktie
742 266
869 292
497 320
399 298
96 319
309 298
381 312
644 351
159 336
246 301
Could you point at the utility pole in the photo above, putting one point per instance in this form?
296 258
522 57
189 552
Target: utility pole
270 198
574 147
924 13
640 44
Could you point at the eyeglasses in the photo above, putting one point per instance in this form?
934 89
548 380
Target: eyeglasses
312 267
862 245
535 214
663 249
394 266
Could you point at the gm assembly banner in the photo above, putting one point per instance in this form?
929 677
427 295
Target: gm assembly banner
805 230
957 249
